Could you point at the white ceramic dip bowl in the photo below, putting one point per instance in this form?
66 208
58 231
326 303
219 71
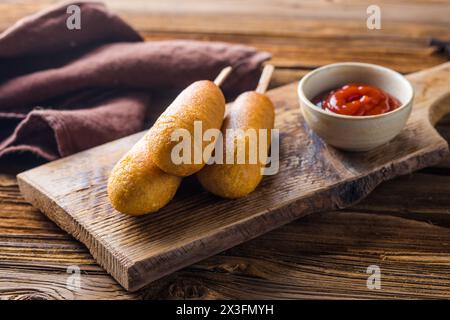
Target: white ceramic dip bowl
355 133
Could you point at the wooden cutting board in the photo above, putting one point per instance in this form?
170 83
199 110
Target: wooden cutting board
313 177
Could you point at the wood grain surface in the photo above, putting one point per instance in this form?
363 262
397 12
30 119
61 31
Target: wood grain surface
312 177
402 226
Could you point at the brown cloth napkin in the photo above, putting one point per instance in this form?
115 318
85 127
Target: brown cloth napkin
63 91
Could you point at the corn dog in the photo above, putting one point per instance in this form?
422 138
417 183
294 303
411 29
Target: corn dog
137 185
202 101
251 110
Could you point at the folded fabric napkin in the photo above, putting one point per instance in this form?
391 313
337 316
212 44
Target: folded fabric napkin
63 91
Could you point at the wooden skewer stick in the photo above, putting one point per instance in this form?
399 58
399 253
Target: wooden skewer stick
222 76
264 81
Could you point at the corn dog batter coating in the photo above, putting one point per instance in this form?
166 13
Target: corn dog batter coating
251 110
137 186
201 101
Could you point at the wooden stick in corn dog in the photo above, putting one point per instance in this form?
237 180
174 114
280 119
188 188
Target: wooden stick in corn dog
145 179
251 110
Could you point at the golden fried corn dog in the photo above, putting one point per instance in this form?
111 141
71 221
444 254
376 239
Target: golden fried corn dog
251 110
137 186
202 101
146 179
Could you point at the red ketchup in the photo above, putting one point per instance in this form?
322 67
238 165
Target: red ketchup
357 100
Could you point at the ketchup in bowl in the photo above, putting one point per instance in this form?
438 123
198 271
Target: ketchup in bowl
357 100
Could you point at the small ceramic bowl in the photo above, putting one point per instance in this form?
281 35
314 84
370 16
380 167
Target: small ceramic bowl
355 133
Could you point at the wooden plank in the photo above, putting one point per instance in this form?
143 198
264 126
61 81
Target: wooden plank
431 11
312 177
34 253
296 39
314 257
305 53
323 256
28 285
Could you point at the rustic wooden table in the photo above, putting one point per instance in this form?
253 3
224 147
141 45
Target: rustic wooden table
402 227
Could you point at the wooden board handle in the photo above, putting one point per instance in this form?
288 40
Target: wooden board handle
432 91
439 108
